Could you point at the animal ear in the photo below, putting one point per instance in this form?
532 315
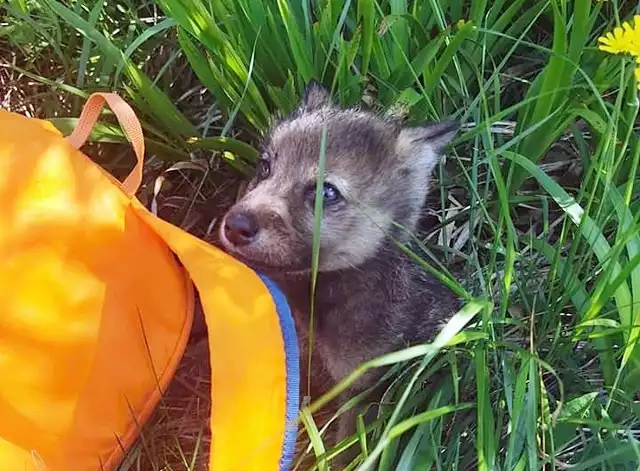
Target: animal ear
424 144
315 96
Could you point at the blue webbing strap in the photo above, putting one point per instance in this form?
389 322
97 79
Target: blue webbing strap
292 360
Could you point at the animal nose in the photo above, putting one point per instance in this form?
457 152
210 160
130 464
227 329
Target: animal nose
241 228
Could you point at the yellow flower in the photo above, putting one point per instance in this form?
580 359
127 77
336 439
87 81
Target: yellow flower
624 39
614 43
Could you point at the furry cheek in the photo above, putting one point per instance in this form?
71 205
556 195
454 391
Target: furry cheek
349 240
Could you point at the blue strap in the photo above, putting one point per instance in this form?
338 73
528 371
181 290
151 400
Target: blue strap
292 360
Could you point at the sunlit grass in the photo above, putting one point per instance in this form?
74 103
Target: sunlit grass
537 206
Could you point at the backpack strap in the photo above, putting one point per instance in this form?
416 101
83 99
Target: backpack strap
129 123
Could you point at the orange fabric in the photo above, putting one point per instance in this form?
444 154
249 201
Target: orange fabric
234 332
86 342
248 384
95 312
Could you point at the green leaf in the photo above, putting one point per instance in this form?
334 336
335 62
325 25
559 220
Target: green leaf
156 102
366 14
296 41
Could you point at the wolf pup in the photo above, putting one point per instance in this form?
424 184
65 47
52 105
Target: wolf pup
370 297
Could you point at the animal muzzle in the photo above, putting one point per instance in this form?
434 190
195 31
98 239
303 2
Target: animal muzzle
240 228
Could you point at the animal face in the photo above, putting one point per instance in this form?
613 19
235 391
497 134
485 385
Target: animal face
376 173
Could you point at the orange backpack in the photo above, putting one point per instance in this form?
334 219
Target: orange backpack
95 313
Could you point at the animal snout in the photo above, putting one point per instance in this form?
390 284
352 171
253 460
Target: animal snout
241 228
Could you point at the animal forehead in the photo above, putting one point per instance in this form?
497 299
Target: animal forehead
350 135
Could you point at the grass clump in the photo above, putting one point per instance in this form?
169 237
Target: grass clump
537 202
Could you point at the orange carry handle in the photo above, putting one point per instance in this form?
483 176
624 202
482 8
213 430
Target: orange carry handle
129 123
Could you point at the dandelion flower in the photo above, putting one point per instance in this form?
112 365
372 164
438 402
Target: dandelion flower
623 39
614 43
633 36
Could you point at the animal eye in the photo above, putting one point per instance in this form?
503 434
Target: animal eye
263 169
330 194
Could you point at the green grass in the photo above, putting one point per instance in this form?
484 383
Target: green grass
538 199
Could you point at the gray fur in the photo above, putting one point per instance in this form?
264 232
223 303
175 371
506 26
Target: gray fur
370 298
